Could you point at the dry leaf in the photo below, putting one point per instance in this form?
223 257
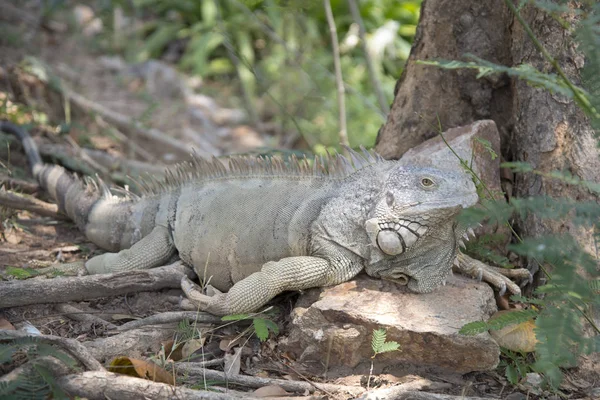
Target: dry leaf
270 391
141 369
233 362
228 343
516 337
191 346
172 354
4 324
122 317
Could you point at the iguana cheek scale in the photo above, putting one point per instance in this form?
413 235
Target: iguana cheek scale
255 227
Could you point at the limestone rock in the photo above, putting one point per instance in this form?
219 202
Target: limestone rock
336 324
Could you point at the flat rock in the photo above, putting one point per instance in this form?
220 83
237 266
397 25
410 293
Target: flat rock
333 327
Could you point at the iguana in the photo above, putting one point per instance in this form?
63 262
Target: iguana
261 226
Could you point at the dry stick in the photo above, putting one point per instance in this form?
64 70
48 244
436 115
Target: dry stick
125 123
413 389
363 41
18 184
236 64
76 314
26 202
191 370
168 317
61 290
131 144
339 82
72 346
106 385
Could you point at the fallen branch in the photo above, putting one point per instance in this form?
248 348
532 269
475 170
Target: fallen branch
135 343
77 315
106 385
76 349
169 317
20 185
26 202
190 370
62 290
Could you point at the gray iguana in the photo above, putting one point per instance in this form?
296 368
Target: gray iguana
262 226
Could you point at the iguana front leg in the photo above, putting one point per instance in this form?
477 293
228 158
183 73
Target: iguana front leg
292 273
499 278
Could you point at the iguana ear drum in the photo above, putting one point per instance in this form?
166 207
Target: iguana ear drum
396 237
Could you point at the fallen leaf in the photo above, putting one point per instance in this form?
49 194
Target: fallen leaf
516 337
228 343
270 391
191 346
5 324
233 362
141 369
123 317
172 354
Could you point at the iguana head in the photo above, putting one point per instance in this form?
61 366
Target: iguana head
412 227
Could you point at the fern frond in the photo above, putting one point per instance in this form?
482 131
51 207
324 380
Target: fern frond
389 346
378 339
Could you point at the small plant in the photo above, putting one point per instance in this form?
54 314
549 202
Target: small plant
380 346
262 326
516 365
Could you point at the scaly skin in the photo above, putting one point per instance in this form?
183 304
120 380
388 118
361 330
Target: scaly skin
258 227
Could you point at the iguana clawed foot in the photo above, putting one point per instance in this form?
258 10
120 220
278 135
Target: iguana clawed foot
499 278
213 302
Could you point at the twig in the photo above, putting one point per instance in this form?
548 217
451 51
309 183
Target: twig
61 290
98 385
26 202
76 314
125 123
190 370
236 64
362 34
18 184
168 317
339 81
75 348
410 390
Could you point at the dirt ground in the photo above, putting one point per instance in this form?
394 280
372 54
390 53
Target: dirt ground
27 239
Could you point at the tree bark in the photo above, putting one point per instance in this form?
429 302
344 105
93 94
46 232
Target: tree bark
546 130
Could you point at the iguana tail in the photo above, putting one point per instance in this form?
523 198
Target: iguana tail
73 197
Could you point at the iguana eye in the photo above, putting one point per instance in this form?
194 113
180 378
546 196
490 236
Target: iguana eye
427 182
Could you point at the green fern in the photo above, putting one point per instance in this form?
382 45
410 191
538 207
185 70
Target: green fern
39 382
379 344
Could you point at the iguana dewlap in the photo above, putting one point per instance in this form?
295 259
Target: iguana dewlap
259 226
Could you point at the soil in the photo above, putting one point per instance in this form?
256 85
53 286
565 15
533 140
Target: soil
27 239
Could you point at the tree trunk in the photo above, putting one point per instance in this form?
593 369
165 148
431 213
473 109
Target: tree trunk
546 130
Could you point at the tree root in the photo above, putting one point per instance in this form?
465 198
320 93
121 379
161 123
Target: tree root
169 317
77 315
26 202
72 346
106 385
62 290
191 370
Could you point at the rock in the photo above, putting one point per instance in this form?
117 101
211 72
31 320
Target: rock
337 323
479 142
86 20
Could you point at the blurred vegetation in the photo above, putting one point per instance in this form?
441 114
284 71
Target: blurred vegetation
278 53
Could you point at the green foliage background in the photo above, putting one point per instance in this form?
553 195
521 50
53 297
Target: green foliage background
284 53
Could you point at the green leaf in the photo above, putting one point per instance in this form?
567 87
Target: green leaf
235 317
488 146
473 328
389 346
272 326
260 328
511 374
378 339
